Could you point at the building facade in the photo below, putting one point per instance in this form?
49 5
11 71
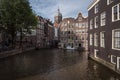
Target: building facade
73 32
104 32
49 33
44 33
40 40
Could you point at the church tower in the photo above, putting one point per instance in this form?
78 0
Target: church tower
57 18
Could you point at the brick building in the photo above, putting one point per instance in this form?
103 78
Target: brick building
44 33
49 32
104 32
73 32
40 41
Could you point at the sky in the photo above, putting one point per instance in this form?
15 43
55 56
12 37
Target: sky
68 8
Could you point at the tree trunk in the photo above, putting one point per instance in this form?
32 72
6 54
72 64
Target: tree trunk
21 37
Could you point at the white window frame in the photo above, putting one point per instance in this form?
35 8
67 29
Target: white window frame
96 8
91 39
113 41
95 53
118 63
95 39
109 2
102 39
91 24
95 22
118 12
103 18
112 61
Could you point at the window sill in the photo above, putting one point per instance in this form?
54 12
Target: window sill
115 20
102 47
102 25
116 49
113 63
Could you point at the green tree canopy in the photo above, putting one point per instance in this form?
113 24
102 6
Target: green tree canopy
16 15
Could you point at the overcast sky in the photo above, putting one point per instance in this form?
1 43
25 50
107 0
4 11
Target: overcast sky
68 8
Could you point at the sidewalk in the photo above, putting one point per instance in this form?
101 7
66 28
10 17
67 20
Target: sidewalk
14 52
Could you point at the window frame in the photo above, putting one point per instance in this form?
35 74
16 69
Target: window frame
102 39
96 39
96 22
111 59
96 9
109 2
103 18
113 40
91 24
118 12
91 39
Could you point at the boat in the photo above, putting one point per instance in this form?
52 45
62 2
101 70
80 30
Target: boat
70 48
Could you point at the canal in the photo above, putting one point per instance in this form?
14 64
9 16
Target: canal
53 64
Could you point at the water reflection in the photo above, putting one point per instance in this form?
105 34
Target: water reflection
53 64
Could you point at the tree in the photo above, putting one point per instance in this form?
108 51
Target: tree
16 16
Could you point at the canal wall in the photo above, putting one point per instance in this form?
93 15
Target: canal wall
105 63
14 52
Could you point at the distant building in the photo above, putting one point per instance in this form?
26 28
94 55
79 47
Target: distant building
28 39
57 20
73 32
44 32
49 32
40 36
104 32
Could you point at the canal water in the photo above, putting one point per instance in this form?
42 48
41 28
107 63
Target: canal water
53 64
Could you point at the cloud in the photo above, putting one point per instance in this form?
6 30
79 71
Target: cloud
68 8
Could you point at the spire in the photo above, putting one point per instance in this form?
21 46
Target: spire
58 10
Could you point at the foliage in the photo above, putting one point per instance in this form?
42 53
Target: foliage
16 16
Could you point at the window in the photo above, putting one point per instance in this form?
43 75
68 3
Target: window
116 12
76 38
96 22
96 53
91 24
118 63
91 39
96 8
102 39
68 32
77 24
119 11
113 59
109 1
116 39
95 39
103 18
